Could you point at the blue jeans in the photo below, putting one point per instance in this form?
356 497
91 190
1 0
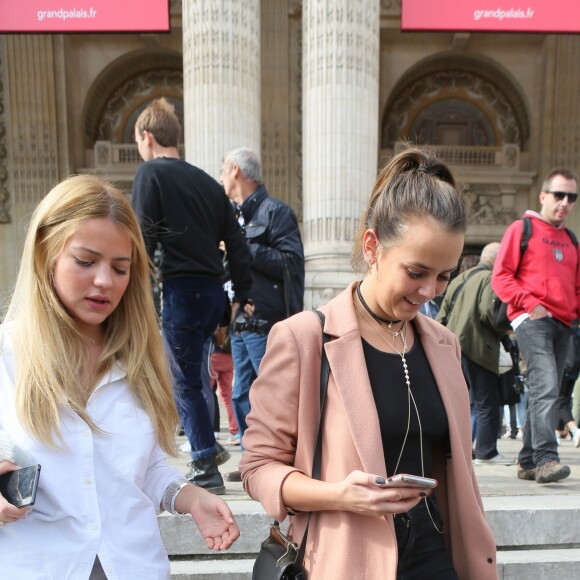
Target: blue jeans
248 348
543 344
484 393
192 309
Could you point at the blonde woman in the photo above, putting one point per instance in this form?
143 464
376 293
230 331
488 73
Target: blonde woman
85 391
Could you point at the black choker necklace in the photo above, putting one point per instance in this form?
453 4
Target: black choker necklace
366 307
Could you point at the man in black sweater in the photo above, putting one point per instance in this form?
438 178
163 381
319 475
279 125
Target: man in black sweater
187 212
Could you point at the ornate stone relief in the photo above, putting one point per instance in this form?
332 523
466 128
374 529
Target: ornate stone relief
341 43
488 206
129 99
391 7
4 193
450 84
125 73
296 115
238 51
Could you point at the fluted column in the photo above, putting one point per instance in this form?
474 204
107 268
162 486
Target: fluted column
221 79
340 126
562 106
29 138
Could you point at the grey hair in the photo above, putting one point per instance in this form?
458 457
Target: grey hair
248 161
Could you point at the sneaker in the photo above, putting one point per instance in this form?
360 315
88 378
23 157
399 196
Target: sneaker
527 473
551 471
577 438
499 459
233 476
508 435
234 439
185 447
520 434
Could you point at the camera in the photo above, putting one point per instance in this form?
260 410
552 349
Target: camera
243 322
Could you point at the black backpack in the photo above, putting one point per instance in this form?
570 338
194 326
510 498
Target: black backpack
501 320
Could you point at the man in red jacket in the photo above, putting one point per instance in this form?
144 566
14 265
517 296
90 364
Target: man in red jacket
541 284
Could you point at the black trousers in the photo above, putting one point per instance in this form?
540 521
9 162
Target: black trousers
422 552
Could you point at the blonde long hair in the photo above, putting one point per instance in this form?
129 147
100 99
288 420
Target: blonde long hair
51 355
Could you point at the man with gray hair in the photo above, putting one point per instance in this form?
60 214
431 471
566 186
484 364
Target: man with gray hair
468 311
271 230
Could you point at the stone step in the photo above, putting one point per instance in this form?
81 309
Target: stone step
531 521
512 565
537 537
212 569
181 537
520 521
534 564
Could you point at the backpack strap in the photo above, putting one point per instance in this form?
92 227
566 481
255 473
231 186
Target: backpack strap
526 235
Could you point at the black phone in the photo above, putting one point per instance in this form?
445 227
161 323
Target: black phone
19 486
406 480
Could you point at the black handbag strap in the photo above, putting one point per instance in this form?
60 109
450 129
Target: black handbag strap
324 374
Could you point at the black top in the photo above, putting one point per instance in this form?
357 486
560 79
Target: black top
188 213
391 399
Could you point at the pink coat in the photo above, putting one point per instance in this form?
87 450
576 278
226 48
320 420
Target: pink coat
281 436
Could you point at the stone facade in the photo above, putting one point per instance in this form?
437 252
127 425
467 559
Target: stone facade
325 89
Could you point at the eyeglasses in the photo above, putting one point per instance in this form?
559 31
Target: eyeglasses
560 195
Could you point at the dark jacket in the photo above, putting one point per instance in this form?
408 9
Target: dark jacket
472 317
188 213
273 236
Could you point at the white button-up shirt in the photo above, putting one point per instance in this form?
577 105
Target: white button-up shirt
99 496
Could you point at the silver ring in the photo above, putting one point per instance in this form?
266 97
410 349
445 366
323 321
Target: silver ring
2 523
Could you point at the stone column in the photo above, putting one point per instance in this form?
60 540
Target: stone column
221 79
29 138
340 127
561 141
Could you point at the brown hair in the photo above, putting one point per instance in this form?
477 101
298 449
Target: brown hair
414 184
565 172
160 120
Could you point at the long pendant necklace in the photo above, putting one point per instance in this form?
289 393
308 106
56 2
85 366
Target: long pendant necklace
410 398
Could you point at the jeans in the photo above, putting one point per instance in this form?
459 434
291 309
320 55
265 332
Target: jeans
543 344
248 348
192 309
421 547
484 393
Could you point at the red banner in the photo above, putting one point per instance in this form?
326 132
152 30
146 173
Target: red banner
498 16
84 16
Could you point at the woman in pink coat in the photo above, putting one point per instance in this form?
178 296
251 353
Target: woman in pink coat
396 403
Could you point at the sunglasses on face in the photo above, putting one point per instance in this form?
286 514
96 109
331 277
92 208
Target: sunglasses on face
560 195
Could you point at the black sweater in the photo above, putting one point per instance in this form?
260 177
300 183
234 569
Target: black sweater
188 213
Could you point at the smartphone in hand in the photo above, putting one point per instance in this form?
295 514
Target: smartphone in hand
406 480
19 486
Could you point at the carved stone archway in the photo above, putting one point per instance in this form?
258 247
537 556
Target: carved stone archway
450 77
124 87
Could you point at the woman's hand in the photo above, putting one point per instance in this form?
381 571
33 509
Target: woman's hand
212 516
9 513
365 494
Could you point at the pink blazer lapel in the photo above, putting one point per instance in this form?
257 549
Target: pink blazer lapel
349 373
